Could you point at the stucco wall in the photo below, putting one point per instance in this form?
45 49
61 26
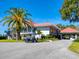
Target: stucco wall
44 30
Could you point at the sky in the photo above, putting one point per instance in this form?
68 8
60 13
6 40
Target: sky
41 10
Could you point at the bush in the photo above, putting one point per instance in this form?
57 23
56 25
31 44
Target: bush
47 38
3 37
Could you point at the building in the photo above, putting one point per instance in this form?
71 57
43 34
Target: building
45 29
69 33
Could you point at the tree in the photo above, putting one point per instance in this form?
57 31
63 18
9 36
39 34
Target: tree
39 32
16 19
65 26
72 26
70 10
61 26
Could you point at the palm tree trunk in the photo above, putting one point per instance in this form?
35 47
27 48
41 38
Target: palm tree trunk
18 35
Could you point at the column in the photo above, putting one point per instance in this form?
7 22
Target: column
61 36
75 36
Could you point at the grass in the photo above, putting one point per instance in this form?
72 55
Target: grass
11 40
75 46
39 40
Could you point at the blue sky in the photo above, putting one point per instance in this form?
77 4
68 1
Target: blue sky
41 10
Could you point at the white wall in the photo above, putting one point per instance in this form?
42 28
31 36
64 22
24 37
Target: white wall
44 30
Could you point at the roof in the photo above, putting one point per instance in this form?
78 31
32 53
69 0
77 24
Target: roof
69 30
42 25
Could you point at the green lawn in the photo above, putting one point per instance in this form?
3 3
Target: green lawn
75 46
39 40
11 40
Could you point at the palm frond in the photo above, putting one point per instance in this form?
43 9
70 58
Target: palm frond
17 17
6 22
14 24
28 14
4 19
10 23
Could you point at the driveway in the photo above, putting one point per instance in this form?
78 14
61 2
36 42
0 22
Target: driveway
47 50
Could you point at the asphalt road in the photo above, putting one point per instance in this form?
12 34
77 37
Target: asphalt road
47 50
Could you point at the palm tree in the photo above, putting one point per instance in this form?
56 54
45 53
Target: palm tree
17 18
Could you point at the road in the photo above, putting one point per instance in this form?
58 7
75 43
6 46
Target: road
46 50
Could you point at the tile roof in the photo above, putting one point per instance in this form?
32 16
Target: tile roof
41 25
68 30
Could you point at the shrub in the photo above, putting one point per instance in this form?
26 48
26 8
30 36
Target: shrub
47 38
3 37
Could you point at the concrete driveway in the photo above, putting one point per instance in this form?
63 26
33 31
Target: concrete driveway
48 50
